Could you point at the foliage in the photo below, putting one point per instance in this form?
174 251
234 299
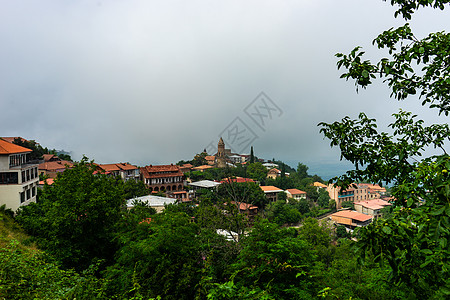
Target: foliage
74 218
413 242
242 192
161 257
257 171
274 260
281 213
324 198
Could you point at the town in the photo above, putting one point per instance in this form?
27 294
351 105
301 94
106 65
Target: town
355 206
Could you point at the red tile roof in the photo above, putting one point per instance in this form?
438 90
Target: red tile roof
12 138
55 165
47 157
161 171
10 148
354 215
203 167
48 181
210 157
245 206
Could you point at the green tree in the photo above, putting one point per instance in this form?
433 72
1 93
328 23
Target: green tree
199 159
75 218
252 156
302 170
257 171
414 242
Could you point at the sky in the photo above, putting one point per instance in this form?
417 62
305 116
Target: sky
155 82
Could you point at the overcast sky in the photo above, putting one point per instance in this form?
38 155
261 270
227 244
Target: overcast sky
154 82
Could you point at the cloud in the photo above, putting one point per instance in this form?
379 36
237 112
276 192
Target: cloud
156 81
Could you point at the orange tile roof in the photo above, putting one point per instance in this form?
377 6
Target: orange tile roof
109 167
48 181
126 166
245 206
319 184
270 188
351 214
203 167
274 170
210 157
295 192
10 148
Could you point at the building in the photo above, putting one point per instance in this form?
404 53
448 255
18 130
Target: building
202 184
202 168
269 165
18 176
51 169
274 173
319 185
295 194
124 170
271 192
163 178
210 159
371 207
156 202
355 193
351 218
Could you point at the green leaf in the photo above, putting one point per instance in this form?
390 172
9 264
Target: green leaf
387 229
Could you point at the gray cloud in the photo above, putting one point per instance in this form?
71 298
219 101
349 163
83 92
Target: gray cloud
156 81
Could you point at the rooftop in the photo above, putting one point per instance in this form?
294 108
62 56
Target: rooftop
351 214
295 192
205 184
373 204
151 201
270 189
10 148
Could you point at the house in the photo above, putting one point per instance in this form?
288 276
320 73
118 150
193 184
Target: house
246 208
202 184
53 167
210 159
18 176
371 207
124 170
355 193
156 202
274 173
186 168
168 178
269 165
295 194
271 192
351 218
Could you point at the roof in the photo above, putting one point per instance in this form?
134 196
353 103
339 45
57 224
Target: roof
351 214
109 167
319 184
274 170
245 206
126 166
203 167
10 148
55 165
237 179
373 204
205 184
48 181
295 192
210 157
270 189
161 171
151 201
12 138
48 157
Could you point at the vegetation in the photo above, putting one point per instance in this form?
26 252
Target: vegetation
413 243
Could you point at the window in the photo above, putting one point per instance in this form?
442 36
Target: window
9 178
33 191
22 197
28 194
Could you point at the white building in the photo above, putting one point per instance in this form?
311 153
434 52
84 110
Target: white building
18 176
